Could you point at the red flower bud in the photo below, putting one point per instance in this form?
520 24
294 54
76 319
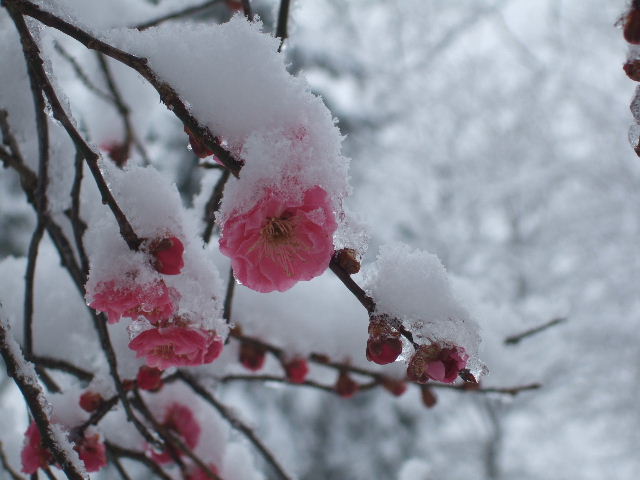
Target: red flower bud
252 356
632 69
296 370
346 387
395 387
149 378
384 344
167 255
90 401
429 398
631 28
347 258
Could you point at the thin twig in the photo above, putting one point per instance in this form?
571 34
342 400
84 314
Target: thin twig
15 362
174 442
180 13
29 277
104 408
235 422
7 467
123 110
228 298
283 18
168 95
35 63
246 7
213 204
63 366
123 473
84 78
139 457
515 339
77 224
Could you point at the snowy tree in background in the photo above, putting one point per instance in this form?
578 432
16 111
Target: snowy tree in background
185 297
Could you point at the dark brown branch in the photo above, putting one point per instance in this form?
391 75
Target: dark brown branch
275 378
121 471
235 422
139 457
515 339
513 391
213 204
98 415
37 71
179 14
123 110
63 366
29 277
7 468
167 93
283 18
228 298
35 401
77 224
246 7
174 442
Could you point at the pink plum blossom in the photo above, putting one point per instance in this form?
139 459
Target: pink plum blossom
442 364
177 346
34 455
179 419
280 241
154 301
92 452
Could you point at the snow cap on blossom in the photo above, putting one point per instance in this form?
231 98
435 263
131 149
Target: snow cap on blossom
154 301
179 418
412 286
177 346
281 240
435 362
34 455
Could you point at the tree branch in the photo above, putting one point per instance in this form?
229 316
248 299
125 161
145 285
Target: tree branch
180 13
283 18
235 423
17 369
515 339
167 94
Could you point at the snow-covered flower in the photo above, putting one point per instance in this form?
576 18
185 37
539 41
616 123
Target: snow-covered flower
154 301
177 346
436 362
280 241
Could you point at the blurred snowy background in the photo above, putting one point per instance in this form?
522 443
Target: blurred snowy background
491 133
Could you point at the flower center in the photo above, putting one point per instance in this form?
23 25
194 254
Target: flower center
277 231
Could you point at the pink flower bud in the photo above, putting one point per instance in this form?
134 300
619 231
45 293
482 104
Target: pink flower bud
281 240
167 255
252 356
384 344
346 387
434 362
92 452
149 378
296 370
90 401
395 387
